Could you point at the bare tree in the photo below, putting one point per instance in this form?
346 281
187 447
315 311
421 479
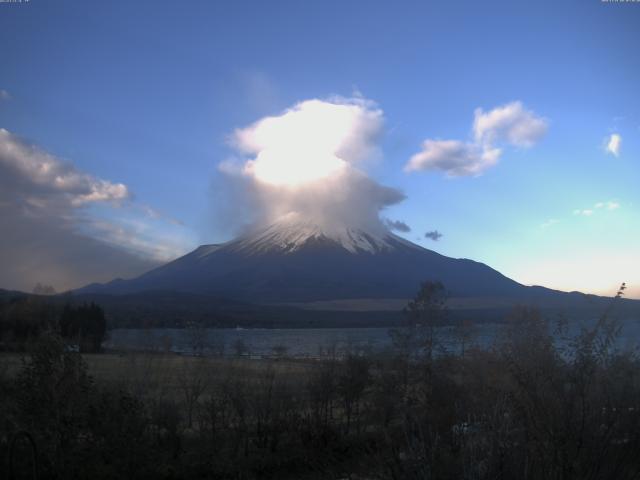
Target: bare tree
193 379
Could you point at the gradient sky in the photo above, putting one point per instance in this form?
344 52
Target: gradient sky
146 94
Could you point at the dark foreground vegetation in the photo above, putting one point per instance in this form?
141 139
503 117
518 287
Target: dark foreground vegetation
538 405
25 318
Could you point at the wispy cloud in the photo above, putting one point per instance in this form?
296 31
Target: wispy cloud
4 95
610 205
137 237
259 90
509 124
587 212
156 214
613 144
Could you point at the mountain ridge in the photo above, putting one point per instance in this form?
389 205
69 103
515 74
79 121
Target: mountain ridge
298 261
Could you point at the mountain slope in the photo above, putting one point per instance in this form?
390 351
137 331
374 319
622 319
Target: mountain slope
293 261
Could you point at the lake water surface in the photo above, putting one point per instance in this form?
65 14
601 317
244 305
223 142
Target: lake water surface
307 342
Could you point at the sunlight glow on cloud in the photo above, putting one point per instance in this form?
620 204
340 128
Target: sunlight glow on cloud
510 124
613 144
312 140
305 163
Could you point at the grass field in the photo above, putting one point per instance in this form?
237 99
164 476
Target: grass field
151 373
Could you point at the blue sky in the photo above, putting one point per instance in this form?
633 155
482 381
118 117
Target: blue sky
147 93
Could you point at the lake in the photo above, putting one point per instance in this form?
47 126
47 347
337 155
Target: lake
306 342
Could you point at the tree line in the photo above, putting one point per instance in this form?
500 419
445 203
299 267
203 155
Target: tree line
25 318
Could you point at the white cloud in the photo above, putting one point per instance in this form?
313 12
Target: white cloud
306 162
510 124
4 95
310 141
453 157
613 144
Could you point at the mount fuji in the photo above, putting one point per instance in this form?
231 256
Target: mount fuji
294 261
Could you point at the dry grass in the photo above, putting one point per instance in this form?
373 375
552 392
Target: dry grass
147 373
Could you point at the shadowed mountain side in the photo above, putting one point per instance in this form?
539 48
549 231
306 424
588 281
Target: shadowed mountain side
319 271
295 270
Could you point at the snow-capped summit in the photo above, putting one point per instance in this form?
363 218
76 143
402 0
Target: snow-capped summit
291 234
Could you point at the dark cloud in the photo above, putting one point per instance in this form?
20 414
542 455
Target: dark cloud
43 210
39 181
434 235
397 225
41 250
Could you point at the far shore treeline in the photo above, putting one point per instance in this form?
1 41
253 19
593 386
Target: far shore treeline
26 317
